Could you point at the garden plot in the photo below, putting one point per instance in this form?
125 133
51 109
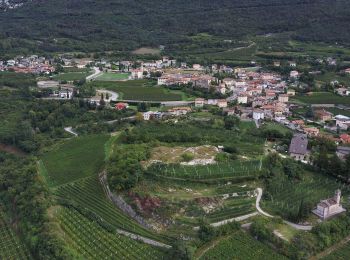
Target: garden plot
200 155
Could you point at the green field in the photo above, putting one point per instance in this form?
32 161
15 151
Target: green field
286 195
240 246
74 159
10 246
112 76
92 241
71 76
323 98
142 90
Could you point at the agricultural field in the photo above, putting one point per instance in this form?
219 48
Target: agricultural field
146 51
142 90
92 241
332 76
338 111
112 76
341 253
323 98
88 194
234 170
285 196
239 246
71 76
73 159
10 245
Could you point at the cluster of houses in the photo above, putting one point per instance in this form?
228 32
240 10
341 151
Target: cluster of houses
32 64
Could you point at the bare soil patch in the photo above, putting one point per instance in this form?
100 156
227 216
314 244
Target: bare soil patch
146 50
201 154
12 150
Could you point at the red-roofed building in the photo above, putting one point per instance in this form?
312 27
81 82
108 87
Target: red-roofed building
345 138
121 106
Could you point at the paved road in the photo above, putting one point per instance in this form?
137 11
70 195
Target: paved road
93 76
296 226
143 239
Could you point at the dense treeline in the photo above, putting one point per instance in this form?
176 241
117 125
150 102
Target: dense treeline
125 25
25 197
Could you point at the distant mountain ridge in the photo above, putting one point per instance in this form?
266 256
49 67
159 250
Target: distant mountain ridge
93 25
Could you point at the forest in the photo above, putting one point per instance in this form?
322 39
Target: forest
120 25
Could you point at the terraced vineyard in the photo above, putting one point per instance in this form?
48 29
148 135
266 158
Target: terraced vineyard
233 208
10 246
74 159
88 194
341 253
233 170
240 246
93 242
287 195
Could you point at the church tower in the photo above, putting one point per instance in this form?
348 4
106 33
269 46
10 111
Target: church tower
337 196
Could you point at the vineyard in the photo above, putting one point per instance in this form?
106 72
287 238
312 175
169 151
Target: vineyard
240 246
77 158
10 246
91 241
287 195
227 171
89 195
341 253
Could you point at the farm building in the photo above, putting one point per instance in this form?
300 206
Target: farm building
329 207
298 147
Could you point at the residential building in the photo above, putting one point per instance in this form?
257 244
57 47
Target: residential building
199 102
258 114
323 115
283 98
298 147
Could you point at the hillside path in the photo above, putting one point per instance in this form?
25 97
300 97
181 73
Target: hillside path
296 226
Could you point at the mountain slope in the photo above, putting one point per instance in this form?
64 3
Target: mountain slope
126 24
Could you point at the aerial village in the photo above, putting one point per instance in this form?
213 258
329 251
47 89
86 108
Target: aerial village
252 94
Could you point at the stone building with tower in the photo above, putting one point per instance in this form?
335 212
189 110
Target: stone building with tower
329 207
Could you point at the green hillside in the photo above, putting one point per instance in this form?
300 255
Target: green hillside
128 24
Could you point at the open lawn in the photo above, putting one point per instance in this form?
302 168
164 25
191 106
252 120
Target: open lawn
74 159
142 90
323 98
112 76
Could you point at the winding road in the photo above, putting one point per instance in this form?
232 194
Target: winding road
257 205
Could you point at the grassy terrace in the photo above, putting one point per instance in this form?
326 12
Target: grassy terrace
93 242
71 76
140 90
74 159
